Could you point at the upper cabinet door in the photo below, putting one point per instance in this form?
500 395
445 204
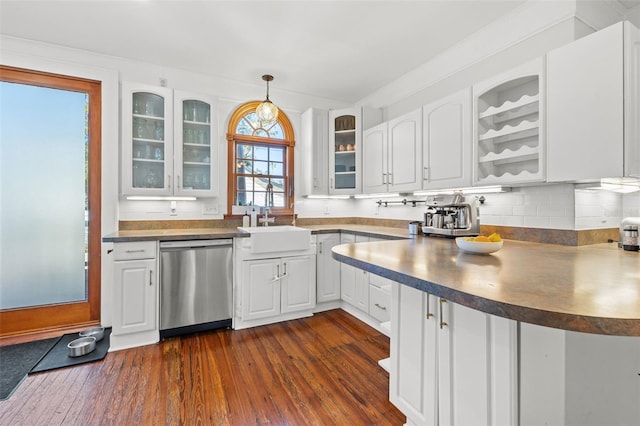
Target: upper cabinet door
147 140
508 137
632 100
405 152
374 159
314 141
195 166
447 142
585 101
345 134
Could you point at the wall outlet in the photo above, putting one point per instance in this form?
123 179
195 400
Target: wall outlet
173 209
209 209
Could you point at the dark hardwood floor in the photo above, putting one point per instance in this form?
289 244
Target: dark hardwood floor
316 371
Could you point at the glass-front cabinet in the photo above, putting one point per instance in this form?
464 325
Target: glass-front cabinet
344 146
195 152
167 144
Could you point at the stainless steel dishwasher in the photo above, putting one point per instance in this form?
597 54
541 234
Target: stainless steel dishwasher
196 281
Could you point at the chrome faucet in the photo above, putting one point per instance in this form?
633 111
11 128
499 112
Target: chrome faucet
266 219
268 203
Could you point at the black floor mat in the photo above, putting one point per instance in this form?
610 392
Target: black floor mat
17 360
58 356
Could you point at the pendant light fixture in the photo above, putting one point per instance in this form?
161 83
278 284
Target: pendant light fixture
267 112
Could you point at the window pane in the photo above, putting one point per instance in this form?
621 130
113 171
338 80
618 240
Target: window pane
261 167
245 183
245 199
244 128
244 151
278 199
43 195
261 153
276 131
261 132
276 169
276 154
278 185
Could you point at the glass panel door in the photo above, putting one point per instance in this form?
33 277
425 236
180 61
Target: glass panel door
43 196
196 146
345 152
148 136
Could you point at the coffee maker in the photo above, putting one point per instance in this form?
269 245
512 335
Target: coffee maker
451 216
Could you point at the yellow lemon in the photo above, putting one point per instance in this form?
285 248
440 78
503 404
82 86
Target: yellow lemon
495 237
482 239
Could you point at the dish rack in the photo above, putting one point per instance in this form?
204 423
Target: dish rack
508 139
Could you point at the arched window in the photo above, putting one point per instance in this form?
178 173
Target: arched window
260 159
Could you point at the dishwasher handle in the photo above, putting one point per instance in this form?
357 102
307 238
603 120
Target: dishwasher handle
168 245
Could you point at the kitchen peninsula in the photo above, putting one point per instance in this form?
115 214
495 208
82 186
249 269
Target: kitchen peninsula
532 334
594 288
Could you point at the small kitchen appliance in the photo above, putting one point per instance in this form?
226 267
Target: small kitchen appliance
451 216
629 234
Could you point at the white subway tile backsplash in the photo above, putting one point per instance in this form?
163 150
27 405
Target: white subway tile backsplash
537 221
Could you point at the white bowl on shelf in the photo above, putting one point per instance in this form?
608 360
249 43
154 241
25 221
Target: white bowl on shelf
478 247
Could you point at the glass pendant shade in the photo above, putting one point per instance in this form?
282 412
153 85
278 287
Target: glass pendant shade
267 112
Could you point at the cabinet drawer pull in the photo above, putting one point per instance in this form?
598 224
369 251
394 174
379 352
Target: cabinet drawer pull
169 181
151 277
381 307
442 323
425 174
135 251
320 244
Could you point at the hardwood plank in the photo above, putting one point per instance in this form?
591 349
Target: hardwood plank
320 370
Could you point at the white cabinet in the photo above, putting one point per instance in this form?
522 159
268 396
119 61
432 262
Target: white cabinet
593 106
345 136
135 294
327 269
508 137
354 282
314 141
347 274
379 298
273 287
589 379
392 155
168 142
447 142
451 365
374 159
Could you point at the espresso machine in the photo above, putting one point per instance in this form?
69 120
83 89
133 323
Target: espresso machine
451 216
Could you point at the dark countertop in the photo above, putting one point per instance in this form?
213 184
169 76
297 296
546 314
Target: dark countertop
594 288
173 235
215 233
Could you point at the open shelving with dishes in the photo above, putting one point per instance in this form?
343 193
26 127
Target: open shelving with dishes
344 160
508 140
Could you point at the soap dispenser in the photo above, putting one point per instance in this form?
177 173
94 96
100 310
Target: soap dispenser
254 218
245 220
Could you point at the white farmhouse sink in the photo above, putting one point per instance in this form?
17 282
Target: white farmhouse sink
265 239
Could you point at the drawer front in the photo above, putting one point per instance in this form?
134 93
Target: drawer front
135 250
379 303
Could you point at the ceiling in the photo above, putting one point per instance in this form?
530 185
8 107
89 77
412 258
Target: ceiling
341 50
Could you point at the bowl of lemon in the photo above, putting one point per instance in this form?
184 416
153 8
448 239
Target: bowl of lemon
480 244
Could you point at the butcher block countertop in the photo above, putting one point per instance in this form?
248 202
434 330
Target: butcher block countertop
593 289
